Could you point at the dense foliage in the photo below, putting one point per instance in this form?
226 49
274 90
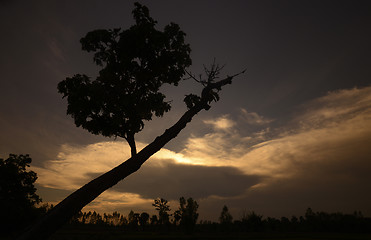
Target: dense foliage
18 198
135 63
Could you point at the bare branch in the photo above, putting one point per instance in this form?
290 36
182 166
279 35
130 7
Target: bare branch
242 72
191 76
214 71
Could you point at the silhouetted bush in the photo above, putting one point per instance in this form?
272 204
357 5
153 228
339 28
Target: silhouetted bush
18 198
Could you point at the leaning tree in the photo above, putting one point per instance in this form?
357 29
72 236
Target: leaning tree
134 63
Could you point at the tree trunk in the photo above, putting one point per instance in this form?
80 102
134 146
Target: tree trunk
133 148
62 212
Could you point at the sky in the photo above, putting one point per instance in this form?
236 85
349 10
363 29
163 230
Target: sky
293 132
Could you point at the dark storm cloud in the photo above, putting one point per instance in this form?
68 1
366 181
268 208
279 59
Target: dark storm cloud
341 184
172 181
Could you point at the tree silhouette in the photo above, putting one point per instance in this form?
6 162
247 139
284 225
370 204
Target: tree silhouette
154 220
252 221
133 219
135 62
18 196
163 208
188 214
143 220
225 219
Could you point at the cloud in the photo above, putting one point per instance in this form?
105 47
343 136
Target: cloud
320 159
253 118
225 145
334 127
69 170
166 174
336 107
333 144
172 180
111 201
221 123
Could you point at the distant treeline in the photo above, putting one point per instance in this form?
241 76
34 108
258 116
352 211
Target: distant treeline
20 206
185 219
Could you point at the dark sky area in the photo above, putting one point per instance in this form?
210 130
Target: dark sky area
293 132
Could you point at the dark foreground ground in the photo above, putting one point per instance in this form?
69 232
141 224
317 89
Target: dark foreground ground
97 233
200 236
119 234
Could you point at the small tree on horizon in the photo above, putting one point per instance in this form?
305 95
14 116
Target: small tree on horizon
163 208
188 213
143 220
225 218
252 221
133 220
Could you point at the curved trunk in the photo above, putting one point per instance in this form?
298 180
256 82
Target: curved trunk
62 212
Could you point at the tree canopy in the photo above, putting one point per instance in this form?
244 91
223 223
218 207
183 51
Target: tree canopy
16 183
135 63
17 192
